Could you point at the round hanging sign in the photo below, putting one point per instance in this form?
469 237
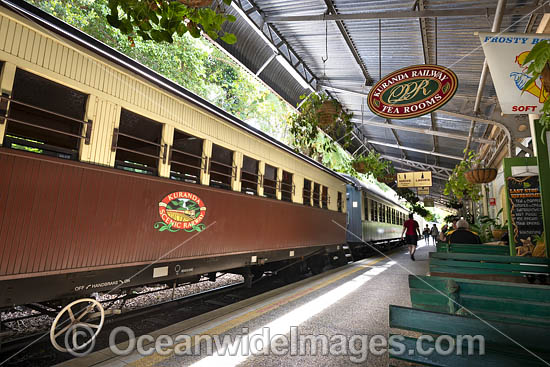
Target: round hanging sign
413 91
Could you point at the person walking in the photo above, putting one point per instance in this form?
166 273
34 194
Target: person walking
435 233
411 229
426 232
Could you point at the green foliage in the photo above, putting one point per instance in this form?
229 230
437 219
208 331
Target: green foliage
537 59
305 127
373 164
160 20
457 186
193 63
414 203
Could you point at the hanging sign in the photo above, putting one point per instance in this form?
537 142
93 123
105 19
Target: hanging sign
413 91
423 178
405 179
423 190
429 203
506 53
525 207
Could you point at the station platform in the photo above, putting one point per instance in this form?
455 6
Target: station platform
327 319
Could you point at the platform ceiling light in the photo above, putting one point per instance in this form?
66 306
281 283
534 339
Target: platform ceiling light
284 62
280 327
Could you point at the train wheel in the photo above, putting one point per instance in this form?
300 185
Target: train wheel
73 324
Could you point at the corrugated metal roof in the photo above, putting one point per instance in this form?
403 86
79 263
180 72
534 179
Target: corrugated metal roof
329 58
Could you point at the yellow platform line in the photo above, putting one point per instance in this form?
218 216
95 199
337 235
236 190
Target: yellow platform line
155 358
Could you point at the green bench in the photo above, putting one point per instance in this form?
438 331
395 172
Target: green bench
488 267
459 248
526 304
500 340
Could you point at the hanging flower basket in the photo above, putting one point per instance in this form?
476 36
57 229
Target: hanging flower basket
387 179
360 167
196 3
481 175
328 113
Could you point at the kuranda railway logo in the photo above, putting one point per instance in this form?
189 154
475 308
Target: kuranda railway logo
413 91
181 210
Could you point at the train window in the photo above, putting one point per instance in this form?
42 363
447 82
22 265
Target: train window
45 117
185 158
287 187
374 211
316 194
366 207
324 198
137 143
249 176
306 192
270 182
222 169
339 202
388 215
381 213
393 216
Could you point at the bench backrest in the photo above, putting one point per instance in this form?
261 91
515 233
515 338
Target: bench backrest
472 248
519 303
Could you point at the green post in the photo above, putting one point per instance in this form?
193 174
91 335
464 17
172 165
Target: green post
543 155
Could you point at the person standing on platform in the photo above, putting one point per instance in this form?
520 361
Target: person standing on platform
435 233
411 229
426 232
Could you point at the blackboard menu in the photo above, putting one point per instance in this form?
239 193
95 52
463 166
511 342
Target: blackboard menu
525 207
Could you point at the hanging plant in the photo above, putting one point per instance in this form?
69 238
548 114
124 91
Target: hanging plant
371 163
458 186
159 20
389 176
539 67
319 112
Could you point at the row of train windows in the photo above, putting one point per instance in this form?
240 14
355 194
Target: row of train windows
47 118
383 213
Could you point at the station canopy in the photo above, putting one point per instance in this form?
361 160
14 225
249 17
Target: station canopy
343 47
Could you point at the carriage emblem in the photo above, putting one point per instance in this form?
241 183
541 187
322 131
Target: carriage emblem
181 210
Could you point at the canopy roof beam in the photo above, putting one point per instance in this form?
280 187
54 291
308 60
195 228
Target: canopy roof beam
409 14
419 130
443 172
397 146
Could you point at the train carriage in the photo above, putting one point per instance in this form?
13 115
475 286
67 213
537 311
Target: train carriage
113 176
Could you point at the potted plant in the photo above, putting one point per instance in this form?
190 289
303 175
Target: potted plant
389 176
458 185
313 117
372 163
477 174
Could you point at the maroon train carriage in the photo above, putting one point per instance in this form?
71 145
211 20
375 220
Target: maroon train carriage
69 229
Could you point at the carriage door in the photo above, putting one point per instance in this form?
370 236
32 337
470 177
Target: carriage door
354 232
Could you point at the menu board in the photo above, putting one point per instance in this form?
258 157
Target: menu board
525 207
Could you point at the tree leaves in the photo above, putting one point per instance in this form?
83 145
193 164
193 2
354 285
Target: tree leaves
159 20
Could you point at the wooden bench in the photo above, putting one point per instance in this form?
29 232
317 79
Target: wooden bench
526 304
500 340
489 267
459 248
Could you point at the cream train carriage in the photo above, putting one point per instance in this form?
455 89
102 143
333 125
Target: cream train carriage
112 177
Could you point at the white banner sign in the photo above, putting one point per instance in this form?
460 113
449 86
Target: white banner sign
506 53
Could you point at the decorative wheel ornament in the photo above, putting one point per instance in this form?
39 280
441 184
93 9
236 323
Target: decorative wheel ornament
481 175
74 321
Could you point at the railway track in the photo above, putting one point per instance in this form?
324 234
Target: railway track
36 350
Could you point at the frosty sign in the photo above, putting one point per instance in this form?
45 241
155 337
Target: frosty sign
506 53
